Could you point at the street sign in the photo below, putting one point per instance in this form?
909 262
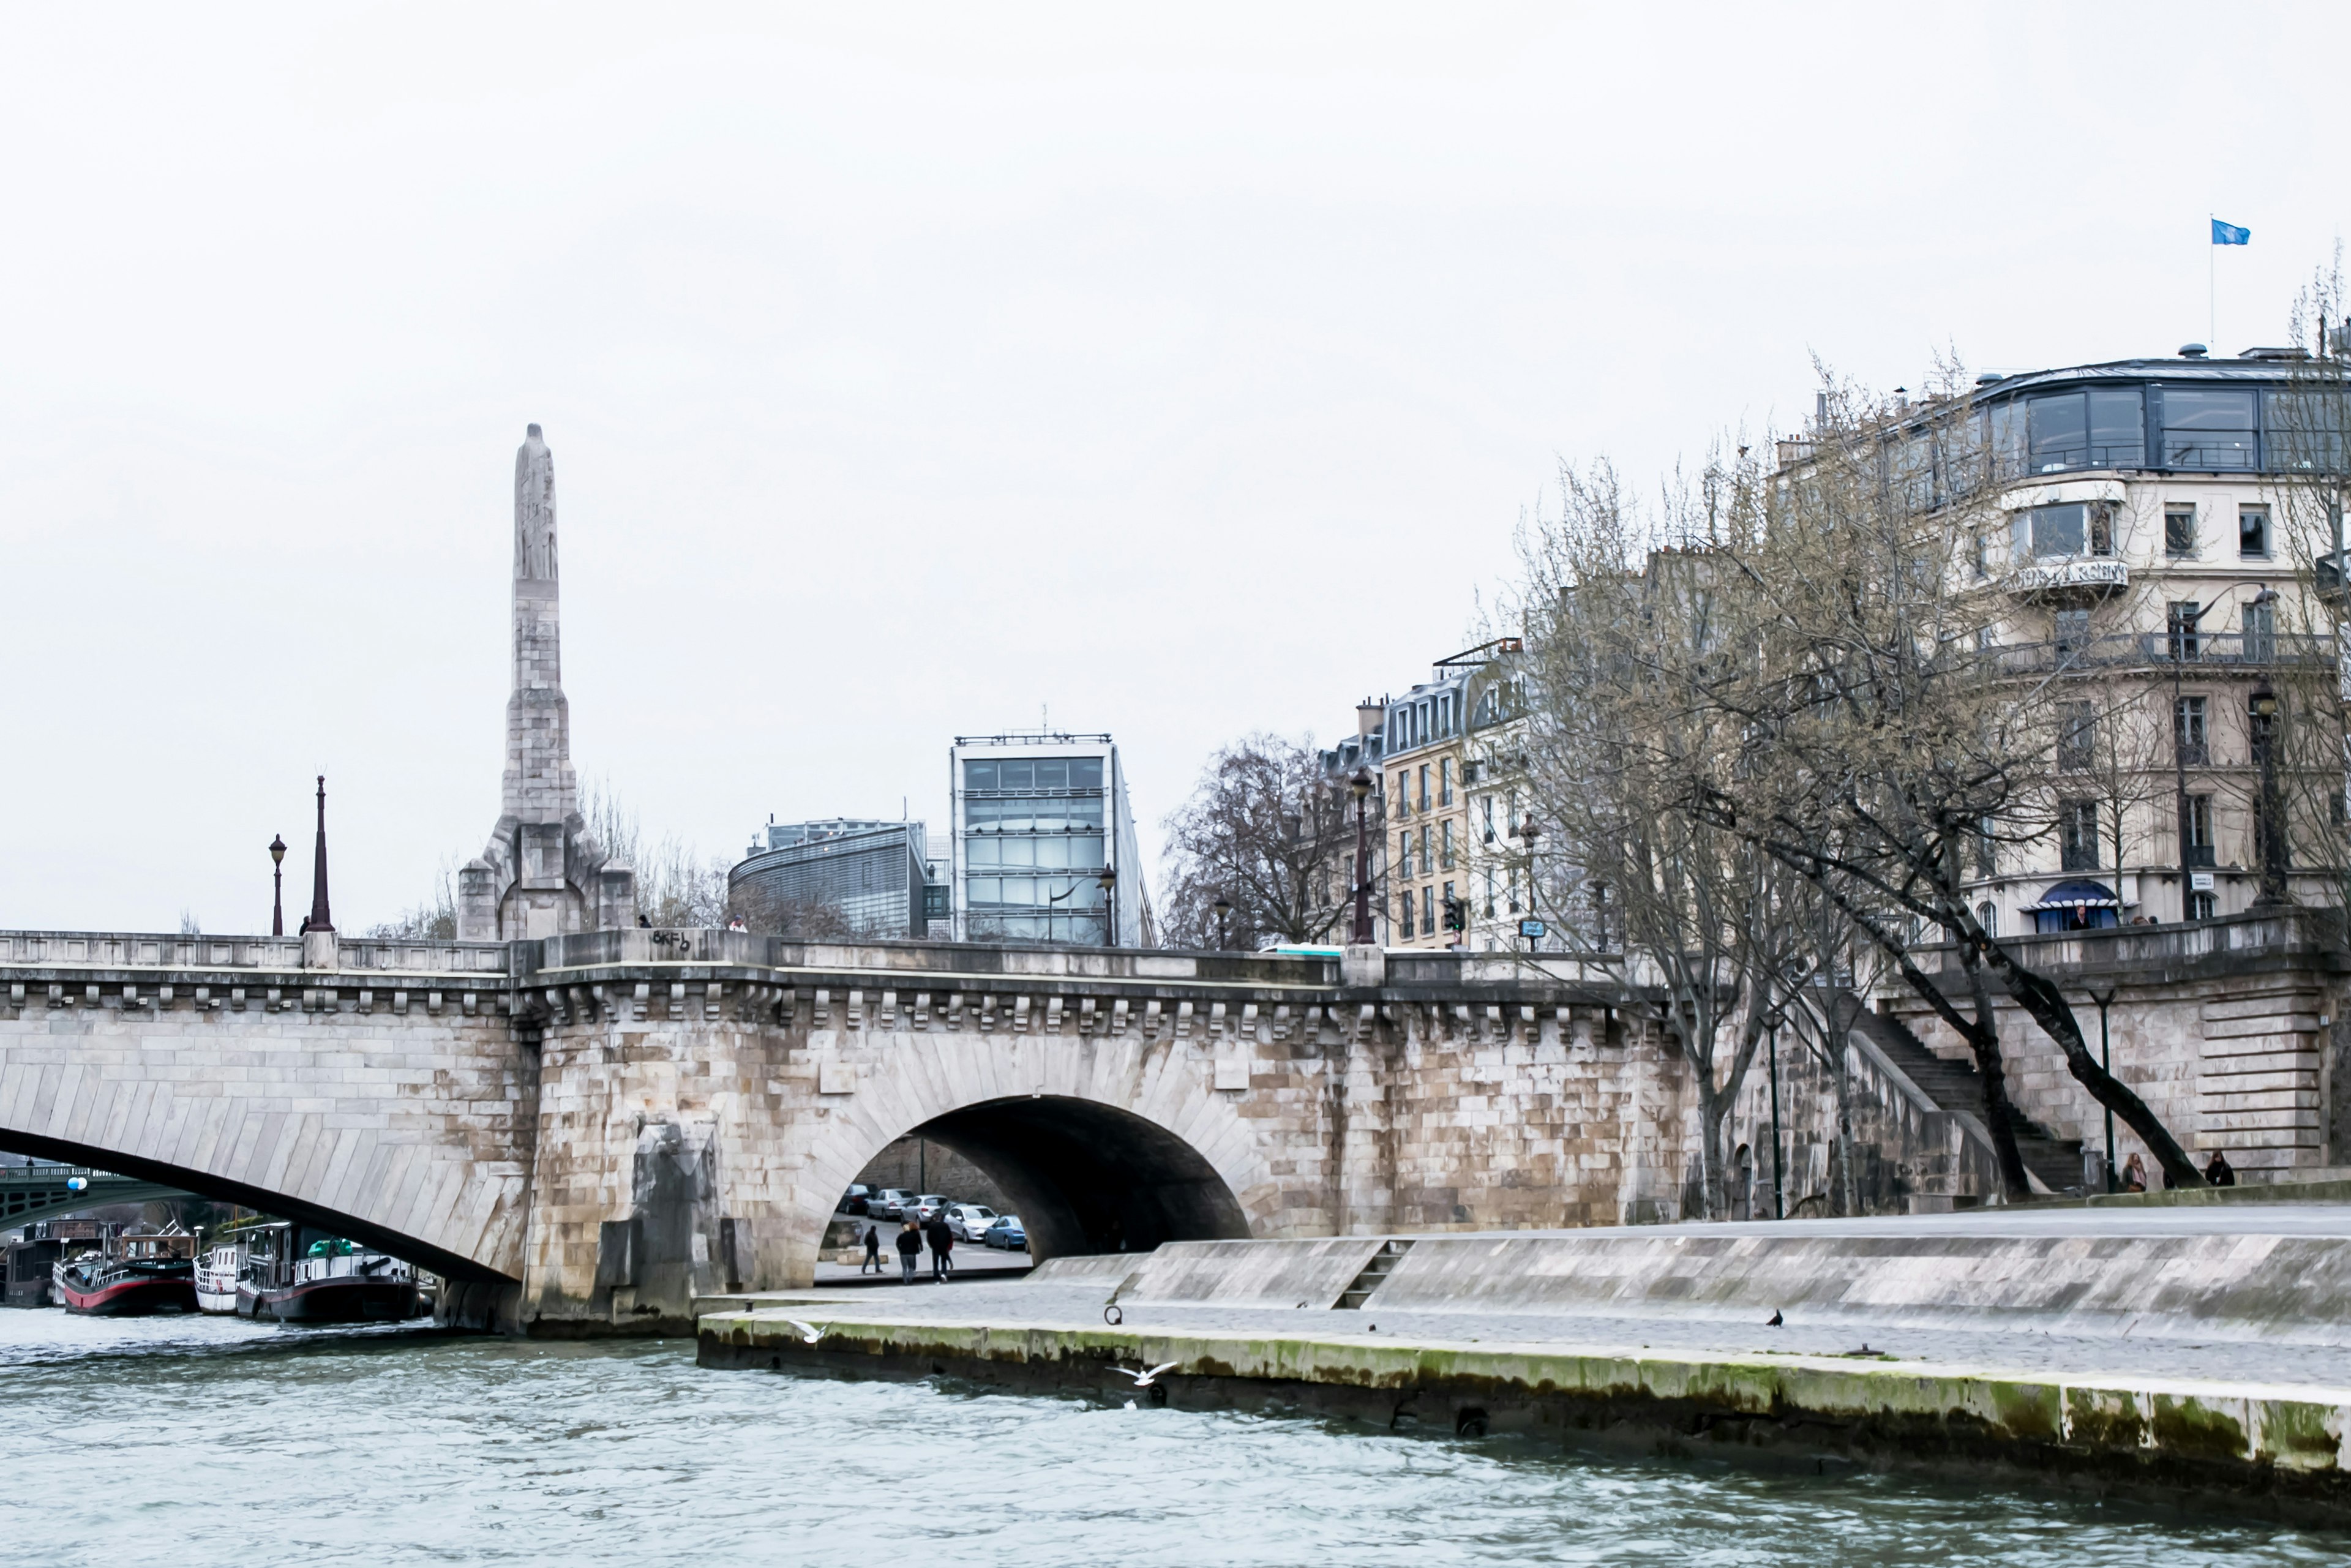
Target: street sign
1530 930
2200 882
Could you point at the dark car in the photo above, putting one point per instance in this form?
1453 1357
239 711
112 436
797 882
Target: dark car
858 1199
1007 1233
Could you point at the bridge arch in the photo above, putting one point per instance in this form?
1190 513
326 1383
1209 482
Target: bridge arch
165 1177
1091 1166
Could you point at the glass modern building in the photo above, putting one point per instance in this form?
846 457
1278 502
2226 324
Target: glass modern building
1038 819
877 873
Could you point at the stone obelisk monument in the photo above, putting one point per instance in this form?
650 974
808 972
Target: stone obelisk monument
542 874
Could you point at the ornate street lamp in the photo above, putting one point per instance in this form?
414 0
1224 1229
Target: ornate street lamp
1224 906
1109 880
1360 787
278 882
2264 709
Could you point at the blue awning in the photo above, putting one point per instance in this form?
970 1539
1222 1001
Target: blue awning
2079 894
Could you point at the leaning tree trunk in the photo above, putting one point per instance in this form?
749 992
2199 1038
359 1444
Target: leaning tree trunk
2041 999
2000 1113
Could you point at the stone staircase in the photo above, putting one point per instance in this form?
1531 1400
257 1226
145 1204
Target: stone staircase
1360 1288
1958 1086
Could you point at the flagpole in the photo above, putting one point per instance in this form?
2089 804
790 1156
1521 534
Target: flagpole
2212 288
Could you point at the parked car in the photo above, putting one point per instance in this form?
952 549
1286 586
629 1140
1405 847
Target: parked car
889 1203
968 1222
858 1199
924 1206
1005 1231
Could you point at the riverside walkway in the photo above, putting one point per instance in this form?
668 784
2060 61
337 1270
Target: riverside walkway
2156 1352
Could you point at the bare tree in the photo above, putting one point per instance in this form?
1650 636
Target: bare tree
1267 833
1862 726
1614 622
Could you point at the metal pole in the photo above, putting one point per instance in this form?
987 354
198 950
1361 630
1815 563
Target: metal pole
1779 1188
2106 1061
1362 875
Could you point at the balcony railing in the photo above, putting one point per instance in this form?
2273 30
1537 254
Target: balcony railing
2138 649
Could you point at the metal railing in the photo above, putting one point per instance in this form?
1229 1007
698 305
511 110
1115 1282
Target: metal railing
2142 650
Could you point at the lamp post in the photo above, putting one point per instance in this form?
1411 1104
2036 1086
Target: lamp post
1109 880
1526 833
1224 906
2264 707
2183 633
2106 1061
1360 787
1779 1182
277 884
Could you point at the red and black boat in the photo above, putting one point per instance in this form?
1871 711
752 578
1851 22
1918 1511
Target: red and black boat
131 1275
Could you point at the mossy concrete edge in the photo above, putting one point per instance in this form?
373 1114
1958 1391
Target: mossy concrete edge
2279 1449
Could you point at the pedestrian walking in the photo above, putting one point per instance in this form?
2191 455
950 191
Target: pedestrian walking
909 1246
2220 1172
2134 1174
942 1245
872 1251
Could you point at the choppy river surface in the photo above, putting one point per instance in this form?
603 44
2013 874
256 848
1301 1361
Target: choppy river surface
202 1442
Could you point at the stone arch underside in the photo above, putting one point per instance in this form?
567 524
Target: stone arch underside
1087 1177
283 1204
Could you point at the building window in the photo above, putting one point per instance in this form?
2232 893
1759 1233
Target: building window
1488 802
2072 630
1403 791
2180 532
2210 430
1512 887
1987 848
2079 528
2077 835
2077 736
1428 911
1425 862
2180 618
2254 532
1445 846
2261 634
1445 780
2189 733
1404 902
1987 916
1423 786
1489 890
2201 907
2198 834
1404 851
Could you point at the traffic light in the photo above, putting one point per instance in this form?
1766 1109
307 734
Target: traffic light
1456 915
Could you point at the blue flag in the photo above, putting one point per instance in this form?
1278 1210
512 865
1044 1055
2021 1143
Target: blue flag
2229 233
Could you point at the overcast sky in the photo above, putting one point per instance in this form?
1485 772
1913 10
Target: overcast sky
926 374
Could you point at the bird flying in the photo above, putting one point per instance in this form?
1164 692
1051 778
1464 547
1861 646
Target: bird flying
809 1333
1144 1379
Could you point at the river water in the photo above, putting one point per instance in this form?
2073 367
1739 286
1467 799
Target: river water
204 1441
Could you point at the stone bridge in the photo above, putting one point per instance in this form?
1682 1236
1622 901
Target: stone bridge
586 1131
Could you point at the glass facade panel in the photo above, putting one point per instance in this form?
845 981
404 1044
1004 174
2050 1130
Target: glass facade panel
2207 428
1033 845
2118 428
2307 430
2060 432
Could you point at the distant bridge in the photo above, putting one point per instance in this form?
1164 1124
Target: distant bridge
31 1193
585 1131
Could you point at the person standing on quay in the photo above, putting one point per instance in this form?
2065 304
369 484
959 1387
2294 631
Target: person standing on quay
909 1246
872 1251
2134 1174
942 1244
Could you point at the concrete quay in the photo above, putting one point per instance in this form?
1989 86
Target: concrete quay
2224 1392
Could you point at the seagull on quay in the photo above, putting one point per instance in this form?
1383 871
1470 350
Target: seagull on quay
1144 1379
809 1333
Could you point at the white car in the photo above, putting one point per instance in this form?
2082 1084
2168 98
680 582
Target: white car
922 1206
970 1221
